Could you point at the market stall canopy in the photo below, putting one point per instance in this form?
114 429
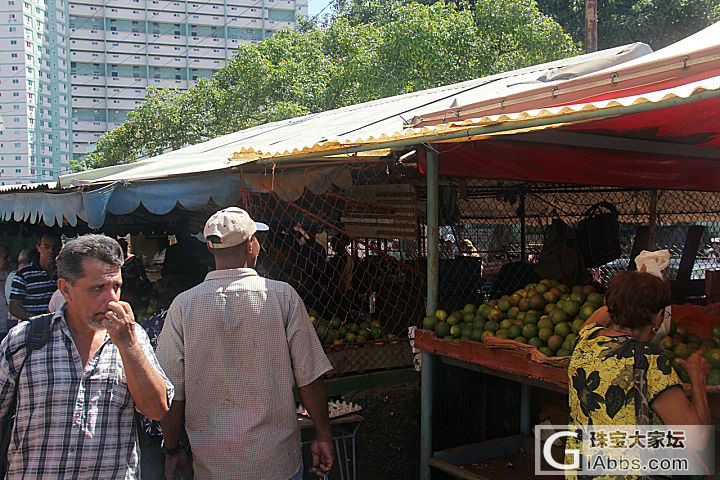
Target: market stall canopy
694 58
322 132
666 139
195 175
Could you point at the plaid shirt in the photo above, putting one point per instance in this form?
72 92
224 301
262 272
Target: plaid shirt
71 422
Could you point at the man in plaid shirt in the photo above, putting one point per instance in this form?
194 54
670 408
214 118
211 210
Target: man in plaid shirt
78 394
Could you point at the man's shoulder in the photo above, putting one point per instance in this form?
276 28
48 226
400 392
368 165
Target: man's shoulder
15 339
31 270
30 267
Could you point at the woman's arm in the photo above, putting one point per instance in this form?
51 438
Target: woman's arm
599 316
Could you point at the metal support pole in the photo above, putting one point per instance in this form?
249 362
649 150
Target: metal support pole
523 243
433 231
524 408
652 221
426 384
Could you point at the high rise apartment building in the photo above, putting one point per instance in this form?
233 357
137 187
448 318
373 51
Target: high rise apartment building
72 70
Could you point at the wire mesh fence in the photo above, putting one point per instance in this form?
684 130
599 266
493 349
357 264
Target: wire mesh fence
486 225
349 245
353 242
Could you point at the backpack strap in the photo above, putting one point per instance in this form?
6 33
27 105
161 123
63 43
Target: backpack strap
37 336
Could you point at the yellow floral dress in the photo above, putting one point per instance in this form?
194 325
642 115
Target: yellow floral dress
601 381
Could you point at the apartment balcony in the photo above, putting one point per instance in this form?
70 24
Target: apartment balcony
96 80
86 131
282 5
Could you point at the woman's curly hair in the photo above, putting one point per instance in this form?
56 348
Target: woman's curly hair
633 298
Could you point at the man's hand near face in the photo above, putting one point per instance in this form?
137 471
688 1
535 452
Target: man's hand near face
145 383
119 322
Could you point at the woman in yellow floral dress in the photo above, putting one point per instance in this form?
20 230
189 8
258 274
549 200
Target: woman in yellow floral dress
618 376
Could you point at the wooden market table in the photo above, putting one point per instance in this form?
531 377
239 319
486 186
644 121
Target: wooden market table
513 365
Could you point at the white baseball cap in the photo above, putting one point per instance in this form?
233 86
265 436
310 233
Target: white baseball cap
230 227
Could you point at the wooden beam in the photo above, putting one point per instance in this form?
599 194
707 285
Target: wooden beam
641 240
682 280
608 142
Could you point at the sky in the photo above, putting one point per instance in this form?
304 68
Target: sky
314 6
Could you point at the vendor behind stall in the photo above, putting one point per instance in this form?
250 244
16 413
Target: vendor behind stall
619 375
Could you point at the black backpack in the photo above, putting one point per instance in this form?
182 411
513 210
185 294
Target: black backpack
36 336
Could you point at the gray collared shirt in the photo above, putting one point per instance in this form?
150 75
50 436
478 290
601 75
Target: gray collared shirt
234 347
72 422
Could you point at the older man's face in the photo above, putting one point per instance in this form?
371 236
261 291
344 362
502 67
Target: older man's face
88 296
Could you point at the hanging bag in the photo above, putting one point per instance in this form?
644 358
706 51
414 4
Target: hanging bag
598 237
559 258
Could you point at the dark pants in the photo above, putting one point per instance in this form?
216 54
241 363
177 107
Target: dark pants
152 460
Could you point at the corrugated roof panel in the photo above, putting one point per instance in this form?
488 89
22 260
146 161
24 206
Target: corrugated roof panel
382 118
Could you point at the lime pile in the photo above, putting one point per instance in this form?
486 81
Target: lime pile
681 344
546 315
335 332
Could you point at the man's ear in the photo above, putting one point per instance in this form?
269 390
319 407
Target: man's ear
209 247
64 287
249 245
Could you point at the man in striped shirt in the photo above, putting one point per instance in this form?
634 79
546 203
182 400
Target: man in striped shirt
34 284
77 395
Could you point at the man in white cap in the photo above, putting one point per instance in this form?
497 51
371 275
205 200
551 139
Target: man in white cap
234 347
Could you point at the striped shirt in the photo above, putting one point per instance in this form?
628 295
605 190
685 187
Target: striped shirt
234 347
33 287
72 422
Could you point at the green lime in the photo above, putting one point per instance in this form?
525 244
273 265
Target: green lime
715 331
536 342
453 319
558 316
545 333
478 323
514 331
562 329
429 322
455 331
442 329
491 326
555 342
713 358
545 323
529 331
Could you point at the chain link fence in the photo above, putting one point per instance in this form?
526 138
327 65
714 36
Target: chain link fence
483 223
351 238
348 243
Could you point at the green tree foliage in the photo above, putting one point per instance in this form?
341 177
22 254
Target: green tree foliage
356 55
655 22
